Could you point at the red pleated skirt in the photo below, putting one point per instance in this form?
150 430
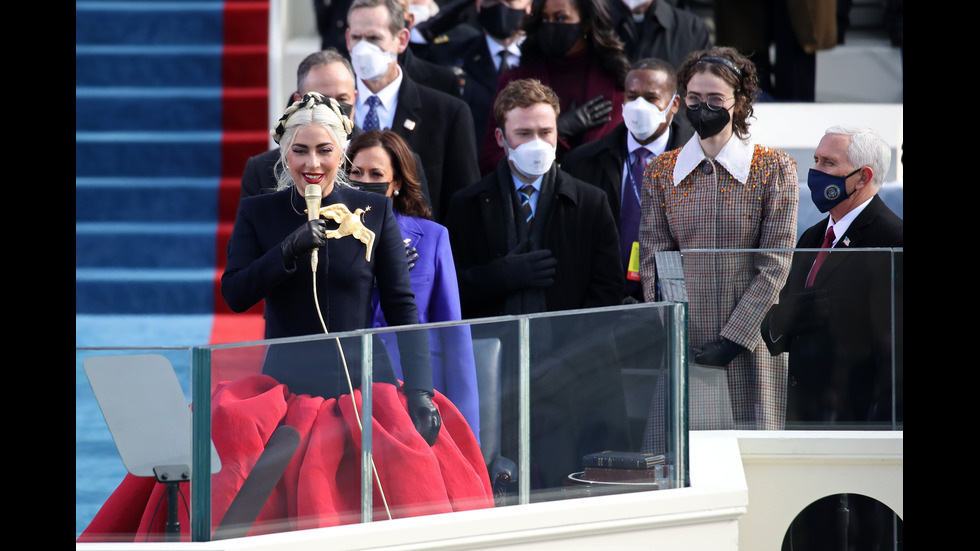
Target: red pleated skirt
322 483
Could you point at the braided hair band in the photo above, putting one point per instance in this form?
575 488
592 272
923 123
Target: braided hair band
309 101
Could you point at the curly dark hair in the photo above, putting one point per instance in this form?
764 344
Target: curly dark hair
409 200
597 27
746 85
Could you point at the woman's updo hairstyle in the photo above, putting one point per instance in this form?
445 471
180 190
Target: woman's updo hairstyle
313 108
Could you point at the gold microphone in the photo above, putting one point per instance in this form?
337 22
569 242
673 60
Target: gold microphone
313 194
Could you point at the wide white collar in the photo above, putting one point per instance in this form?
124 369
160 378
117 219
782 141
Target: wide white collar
735 156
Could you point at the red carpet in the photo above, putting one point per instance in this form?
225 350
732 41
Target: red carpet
245 99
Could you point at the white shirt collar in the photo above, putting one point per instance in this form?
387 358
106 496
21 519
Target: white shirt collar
495 47
735 156
389 101
840 226
655 147
518 184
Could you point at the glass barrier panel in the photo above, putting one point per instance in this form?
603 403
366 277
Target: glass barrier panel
288 432
521 401
132 427
824 354
534 408
602 415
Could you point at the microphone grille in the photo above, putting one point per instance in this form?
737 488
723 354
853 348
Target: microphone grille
313 191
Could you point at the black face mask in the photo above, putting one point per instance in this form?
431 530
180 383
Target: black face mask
500 21
557 39
707 122
346 109
373 187
827 191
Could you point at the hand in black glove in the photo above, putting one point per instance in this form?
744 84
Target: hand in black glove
532 269
410 254
310 235
718 353
802 312
577 120
424 414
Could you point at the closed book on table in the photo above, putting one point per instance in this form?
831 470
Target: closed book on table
623 460
605 474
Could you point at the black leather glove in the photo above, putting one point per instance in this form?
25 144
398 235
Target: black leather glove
802 312
410 254
533 269
577 120
424 414
310 235
718 353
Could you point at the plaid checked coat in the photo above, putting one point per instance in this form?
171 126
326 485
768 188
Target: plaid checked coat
728 292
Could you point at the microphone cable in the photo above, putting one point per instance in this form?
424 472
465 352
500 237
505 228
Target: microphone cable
350 386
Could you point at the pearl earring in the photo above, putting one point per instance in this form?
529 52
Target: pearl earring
396 193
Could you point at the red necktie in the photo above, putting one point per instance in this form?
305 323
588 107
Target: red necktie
828 242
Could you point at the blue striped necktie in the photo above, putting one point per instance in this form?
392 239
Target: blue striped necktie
526 191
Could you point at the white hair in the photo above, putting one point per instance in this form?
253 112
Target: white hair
866 148
304 113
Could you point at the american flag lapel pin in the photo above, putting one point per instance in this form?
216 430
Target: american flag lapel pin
410 124
847 241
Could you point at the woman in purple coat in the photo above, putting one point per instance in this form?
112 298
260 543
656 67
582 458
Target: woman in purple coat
381 161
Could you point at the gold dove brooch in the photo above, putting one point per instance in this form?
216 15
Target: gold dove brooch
350 224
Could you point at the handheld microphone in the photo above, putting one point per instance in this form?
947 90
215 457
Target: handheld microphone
313 194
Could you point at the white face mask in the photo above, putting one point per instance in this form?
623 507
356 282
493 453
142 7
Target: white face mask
423 12
643 118
533 158
369 60
633 4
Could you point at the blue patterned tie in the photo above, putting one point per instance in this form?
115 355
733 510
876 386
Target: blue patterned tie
526 191
629 228
371 120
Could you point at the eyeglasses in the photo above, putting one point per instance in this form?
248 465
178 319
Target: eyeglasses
714 103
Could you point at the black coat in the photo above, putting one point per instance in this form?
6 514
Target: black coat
471 56
667 32
843 369
430 74
578 227
576 399
601 162
439 128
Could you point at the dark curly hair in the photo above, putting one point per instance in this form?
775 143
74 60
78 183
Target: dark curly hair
597 27
409 200
746 85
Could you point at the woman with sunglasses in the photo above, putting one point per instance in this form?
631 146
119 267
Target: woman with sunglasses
722 191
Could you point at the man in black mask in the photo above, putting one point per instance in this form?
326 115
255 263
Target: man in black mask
481 58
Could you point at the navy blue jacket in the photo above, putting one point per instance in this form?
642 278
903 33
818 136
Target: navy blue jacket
345 283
